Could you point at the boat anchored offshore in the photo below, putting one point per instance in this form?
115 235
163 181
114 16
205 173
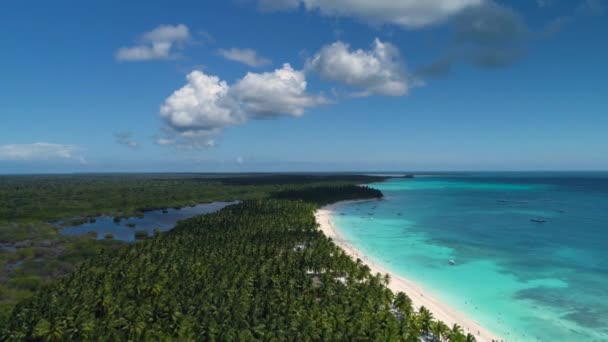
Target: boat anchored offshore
452 262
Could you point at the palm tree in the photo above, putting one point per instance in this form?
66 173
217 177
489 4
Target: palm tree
439 330
426 318
229 275
412 329
49 331
456 334
387 279
403 303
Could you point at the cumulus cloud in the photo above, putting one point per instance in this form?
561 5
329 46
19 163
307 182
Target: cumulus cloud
167 33
245 56
405 13
485 33
156 44
380 70
203 104
281 92
198 112
126 139
39 151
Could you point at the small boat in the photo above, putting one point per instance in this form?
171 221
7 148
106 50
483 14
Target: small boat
452 262
538 220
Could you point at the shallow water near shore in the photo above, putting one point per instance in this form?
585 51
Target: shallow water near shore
155 219
524 280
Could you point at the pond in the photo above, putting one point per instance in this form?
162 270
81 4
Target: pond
125 229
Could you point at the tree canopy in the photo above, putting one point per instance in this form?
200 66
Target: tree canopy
258 270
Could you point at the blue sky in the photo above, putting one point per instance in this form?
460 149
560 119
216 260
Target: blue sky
384 85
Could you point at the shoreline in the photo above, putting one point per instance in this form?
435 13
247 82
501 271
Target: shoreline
418 295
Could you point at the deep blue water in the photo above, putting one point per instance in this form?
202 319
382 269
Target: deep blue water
527 281
151 220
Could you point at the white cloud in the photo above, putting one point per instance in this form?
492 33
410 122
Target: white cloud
156 44
203 103
245 56
144 52
282 91
405 13
168 33
198 112
39 151
380 70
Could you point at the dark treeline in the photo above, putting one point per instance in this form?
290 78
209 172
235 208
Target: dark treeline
323 195
50 197
260 270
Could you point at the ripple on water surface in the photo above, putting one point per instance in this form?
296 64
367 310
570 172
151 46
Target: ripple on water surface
527 281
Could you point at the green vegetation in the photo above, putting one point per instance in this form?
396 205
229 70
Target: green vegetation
31 247
232 275
141 234
35 262
55 197
12 232
32 253
108 236
259 270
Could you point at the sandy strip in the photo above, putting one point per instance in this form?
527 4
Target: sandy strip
418 295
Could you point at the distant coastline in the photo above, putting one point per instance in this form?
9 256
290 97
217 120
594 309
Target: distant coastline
419 295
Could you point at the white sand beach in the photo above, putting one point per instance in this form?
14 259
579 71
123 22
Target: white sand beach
418 294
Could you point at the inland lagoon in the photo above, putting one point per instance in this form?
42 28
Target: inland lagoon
131 228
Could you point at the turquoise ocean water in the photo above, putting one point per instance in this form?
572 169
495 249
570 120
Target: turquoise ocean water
524 280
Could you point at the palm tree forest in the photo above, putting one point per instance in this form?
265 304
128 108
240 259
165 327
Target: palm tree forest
259 270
